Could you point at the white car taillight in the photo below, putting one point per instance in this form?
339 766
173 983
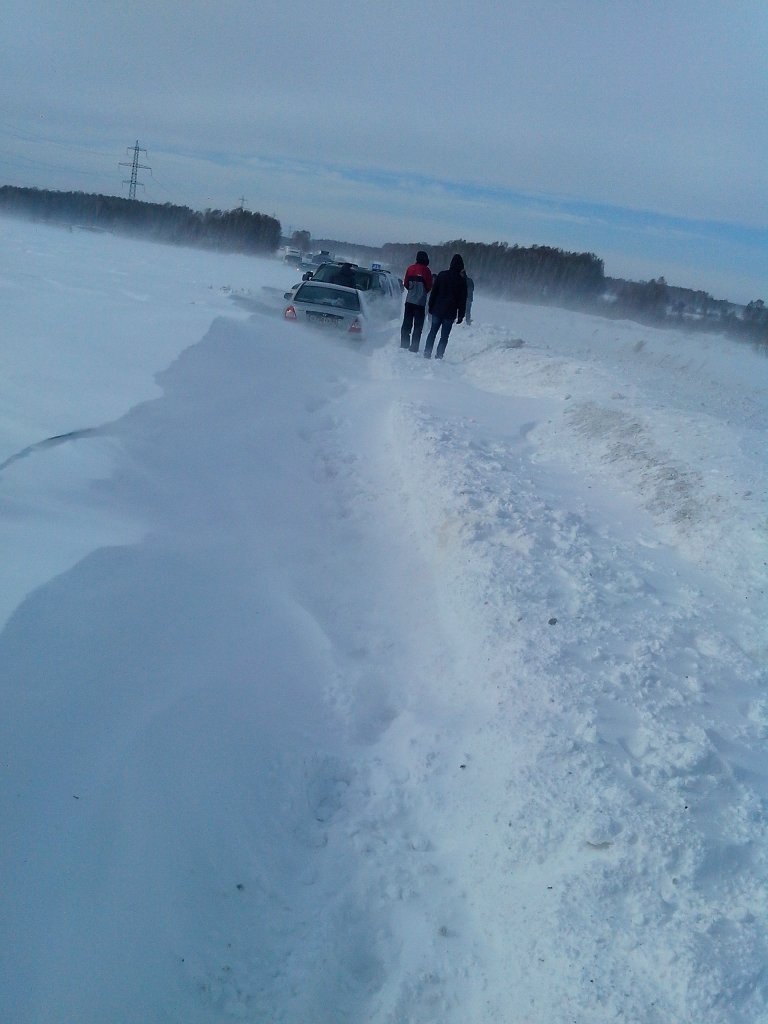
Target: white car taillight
356 327
290 313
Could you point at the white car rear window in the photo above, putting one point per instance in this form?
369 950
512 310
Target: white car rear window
340 298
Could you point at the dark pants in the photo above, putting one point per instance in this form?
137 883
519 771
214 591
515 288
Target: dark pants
413 320
443 325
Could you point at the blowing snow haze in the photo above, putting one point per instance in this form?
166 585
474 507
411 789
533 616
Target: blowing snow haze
341 686
632 131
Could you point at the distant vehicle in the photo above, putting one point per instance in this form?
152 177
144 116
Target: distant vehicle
329 306
381 288
292 256
312 260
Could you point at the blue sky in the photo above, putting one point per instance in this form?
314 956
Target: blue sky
633 130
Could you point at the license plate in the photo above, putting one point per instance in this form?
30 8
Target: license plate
326 319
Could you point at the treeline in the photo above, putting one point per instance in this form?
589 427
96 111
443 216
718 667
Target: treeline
656 300
661 304
532 273
754 322
229 230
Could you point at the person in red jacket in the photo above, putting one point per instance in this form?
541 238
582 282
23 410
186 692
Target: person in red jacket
418 284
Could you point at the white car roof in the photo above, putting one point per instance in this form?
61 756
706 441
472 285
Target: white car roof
327 284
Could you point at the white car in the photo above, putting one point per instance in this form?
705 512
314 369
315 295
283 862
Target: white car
330 306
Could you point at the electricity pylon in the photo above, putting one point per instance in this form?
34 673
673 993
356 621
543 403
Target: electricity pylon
135 166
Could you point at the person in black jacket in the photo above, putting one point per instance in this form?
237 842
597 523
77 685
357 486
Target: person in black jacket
447 302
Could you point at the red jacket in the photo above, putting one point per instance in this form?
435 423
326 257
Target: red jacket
418 283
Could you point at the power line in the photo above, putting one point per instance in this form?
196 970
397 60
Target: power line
25 135
31 137
135 167
155 181
18 158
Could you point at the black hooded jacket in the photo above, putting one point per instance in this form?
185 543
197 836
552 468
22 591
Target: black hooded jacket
448 298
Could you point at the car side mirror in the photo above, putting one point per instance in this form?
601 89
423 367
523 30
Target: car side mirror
288 295
307 276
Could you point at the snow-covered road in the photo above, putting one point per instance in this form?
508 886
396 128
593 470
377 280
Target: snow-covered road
341 686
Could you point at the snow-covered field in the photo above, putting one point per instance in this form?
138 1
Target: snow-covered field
343 686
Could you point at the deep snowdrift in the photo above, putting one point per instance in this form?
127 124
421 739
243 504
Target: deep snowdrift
343 686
